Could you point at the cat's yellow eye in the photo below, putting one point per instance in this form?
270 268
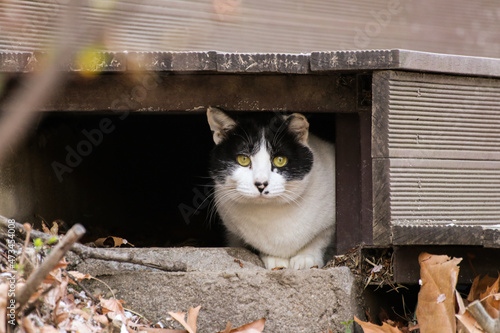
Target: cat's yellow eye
280 161
243 160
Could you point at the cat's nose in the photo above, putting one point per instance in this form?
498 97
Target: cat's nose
261 186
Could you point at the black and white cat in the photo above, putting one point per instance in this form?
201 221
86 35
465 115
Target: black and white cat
274 186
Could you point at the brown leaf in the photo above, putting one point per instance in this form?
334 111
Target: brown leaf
112 305
101 319
479 286
372 328
465 318
79 276
45 228
253 327
112 241
54 230
179 316
227 329
436 306
28 326
193 316
491 305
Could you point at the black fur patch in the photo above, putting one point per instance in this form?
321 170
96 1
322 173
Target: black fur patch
245 138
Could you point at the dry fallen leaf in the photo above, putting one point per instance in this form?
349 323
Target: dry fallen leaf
192 316
436 306
49 329
491 305
112 241
372 328
78 276
479 286
113 306
253 327
54 230
465 318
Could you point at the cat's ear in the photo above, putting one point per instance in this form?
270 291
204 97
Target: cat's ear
298 125
220 123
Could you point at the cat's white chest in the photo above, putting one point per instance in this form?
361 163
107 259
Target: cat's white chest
281 231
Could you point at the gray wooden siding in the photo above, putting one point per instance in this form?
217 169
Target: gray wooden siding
436 149
448 26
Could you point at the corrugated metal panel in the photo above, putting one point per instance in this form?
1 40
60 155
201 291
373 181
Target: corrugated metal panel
450 26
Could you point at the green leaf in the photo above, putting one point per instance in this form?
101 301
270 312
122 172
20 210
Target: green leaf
347 324
53 240
38 243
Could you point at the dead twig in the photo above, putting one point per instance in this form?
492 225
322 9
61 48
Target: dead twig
49 263
32 306
79 284
477 310
104 254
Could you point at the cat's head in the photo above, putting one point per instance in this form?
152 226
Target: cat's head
260 158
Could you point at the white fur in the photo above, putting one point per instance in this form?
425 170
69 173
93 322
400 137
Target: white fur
294 222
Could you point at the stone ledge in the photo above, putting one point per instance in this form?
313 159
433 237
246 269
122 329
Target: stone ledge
291 301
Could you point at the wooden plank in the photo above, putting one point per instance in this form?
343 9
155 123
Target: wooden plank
152 92
348 182
433 234
452 26
380 114
354 60
172 61
262 63
381 203
454 192
366 218
404 60
434 116
428 201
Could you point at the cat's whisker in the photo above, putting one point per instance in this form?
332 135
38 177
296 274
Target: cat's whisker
290 199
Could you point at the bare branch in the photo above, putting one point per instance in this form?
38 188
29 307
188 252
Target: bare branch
49 263
477 310
104 254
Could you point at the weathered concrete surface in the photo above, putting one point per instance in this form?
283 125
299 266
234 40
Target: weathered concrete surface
291 301
186 258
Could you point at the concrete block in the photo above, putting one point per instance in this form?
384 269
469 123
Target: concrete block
291 301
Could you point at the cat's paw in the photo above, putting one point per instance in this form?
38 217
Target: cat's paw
305 261
273 262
